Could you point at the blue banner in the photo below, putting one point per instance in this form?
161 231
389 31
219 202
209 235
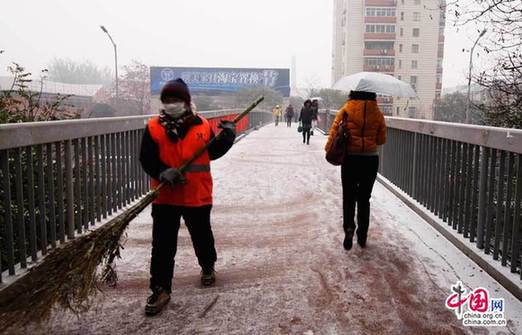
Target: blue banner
217 81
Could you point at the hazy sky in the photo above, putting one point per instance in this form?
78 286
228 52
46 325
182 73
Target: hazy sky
227 33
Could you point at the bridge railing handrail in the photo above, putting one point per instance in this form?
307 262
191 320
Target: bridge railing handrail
14 135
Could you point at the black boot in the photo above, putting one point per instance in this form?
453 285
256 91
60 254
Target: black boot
155 303
348 241
361 240
208 276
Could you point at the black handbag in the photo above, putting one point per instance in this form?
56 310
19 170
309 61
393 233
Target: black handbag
300 128
335 155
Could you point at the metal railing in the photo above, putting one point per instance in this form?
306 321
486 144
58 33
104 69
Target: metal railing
59 178
468 176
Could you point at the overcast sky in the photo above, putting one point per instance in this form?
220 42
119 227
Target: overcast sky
225 33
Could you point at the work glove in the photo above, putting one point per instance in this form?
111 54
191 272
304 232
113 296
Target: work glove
172 176
229 128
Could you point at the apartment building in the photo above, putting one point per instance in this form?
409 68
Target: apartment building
403 38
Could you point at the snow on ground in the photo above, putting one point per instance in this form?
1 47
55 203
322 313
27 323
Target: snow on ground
281 267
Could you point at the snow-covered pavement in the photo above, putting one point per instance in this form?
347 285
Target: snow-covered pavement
281 267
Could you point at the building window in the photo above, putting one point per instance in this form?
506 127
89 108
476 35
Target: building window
414 64
398 110
399 76
374 61
376 11
416 2
412 112
380 28
400 47
378 45
402 16
402 31
400 64
416 32
415 48
413 82
416 16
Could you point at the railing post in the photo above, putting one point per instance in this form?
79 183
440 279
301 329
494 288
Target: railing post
414 169
69 191
482 196
515 240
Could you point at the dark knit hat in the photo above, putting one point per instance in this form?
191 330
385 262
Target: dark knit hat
175 88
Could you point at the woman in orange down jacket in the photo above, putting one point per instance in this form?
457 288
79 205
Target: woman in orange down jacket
358 171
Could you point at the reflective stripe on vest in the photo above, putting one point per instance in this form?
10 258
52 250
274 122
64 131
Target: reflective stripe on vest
197 191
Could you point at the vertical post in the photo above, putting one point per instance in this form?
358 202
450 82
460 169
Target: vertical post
20 208
30 195
515 240
9 242
52 209
69 189
482 197
60 199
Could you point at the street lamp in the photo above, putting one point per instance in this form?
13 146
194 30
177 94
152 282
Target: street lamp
468 103
115 58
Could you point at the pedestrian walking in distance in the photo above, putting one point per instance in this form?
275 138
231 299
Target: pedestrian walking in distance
305 117
277 112
359 169
169 140
289 115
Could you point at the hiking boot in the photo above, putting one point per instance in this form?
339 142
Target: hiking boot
208 276
157 301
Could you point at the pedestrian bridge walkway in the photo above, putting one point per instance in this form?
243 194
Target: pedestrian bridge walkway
281 269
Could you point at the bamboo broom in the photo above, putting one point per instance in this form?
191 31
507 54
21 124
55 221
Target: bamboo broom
67 276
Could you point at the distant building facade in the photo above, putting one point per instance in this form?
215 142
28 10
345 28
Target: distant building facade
403 38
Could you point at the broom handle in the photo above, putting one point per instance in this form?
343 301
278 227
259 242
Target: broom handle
201 150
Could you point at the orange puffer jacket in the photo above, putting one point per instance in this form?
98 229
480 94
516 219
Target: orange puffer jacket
366 124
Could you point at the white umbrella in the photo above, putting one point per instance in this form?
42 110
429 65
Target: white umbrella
379 83
316 98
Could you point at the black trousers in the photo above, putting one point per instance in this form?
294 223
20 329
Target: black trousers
289 122
306 132
358 175
165 226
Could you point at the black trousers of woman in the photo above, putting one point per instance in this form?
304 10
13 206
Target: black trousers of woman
358 175
306 133
165 227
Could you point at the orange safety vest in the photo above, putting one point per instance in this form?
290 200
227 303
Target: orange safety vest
197 191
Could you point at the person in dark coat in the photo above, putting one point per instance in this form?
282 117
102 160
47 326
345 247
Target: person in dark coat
306 117
289 115
315 109
168 141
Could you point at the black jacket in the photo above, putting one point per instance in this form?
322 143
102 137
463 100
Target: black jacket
149 153
306 115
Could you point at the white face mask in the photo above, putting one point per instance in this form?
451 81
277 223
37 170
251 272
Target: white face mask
175 110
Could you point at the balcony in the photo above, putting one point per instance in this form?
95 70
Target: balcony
379 36
441 38
439 69
380 3
379 68
380 19
438 86
379 52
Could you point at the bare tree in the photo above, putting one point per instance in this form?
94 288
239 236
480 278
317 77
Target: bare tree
502 46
